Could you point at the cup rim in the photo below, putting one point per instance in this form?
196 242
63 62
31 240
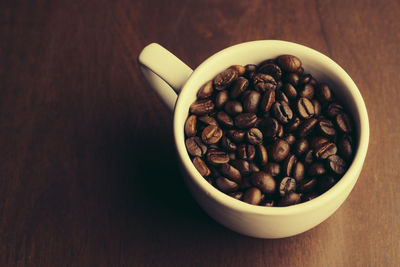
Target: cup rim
349 178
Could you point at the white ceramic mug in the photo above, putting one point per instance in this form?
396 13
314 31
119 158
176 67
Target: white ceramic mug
177 86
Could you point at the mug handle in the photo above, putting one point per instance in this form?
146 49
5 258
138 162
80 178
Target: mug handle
164 71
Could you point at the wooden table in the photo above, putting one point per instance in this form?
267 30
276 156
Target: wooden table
88 171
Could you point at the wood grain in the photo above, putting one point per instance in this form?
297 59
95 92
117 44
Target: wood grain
88 172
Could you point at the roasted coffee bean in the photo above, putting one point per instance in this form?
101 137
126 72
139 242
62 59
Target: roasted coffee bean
224 79
251 101
231 172
298 171
239 69
324 94
270 69
236 195
224 119
345 146
325 183
333 110
280 150
309 157
221 98
211 134
307 91
233 108
253 167
242 165
336 164
190 126
307 185
201 166
292 78
318 141
246 151
316 169
263 82
287 185
240 85
252 196
290 91
280 133
289 63
202 107
306 78
254 136
270 127
343 122
236 135
267 100
207 120
217 157
261 155
227 144
305 108
326 128
317 107
290 199
250 71
282 111
226 185
325 150
306 127
290 138
264 182
206 90
301 146
245 120
273 168
281 96
289 164
293 125
195 146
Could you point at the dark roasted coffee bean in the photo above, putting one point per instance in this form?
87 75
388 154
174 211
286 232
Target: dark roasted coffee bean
264 182
236 135
207 120
252 196
292 78
240 85
251 101
343 122
270 127
307 91
333 110
211 134
287 185
336 164
190 126
280 133
306 78
267 100
306 127
231 172
270 69
309 157
280 150
236 195
263 82
245 120
301 147
325 183
227 144
298 171
307 185
317 107
195 146
293 125
289 164
206 90
239 69
281 96
290 138
221 98
201 167
242 165
323 93
289 63
202 107
305 108
253 167
254 136
282 111
290 91
326 128
273 168
250 71
233 108
224 119
226 185
216 157
224 79
251 152
325 150
316 169
290 199
261 155
345 146
318 141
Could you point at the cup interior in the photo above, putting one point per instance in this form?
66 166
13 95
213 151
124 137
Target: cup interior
320 66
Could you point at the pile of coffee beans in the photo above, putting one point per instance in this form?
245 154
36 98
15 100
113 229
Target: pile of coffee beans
269 134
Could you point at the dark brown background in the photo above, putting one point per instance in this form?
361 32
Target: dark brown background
88 172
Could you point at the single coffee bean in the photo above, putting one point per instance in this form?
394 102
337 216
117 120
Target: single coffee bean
289 164
233 108
336 164
201 167
306 127
246 151
231 172
273 168
226 185
270 127
324 94
206 90
292 78
345 146
325 150
227 144
217 157
202 107
317 107
280 150
195 146
290 138
252 196
307 91
318 141
236 135
270 69
282 111
287 185
250 71
307 185
240 85
289 63
263 82
251 101
306 78
301 146
254 136
267 100
211 134
224 79
333 110
253 167
309 157
245 120
325 183
190 126
290 91
242 165
343 122
261 155
305 108
221 98
281 96
264 182
239 69
290 199
236 195
298 171
207 120
224 119
316 169
293 125
326 128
